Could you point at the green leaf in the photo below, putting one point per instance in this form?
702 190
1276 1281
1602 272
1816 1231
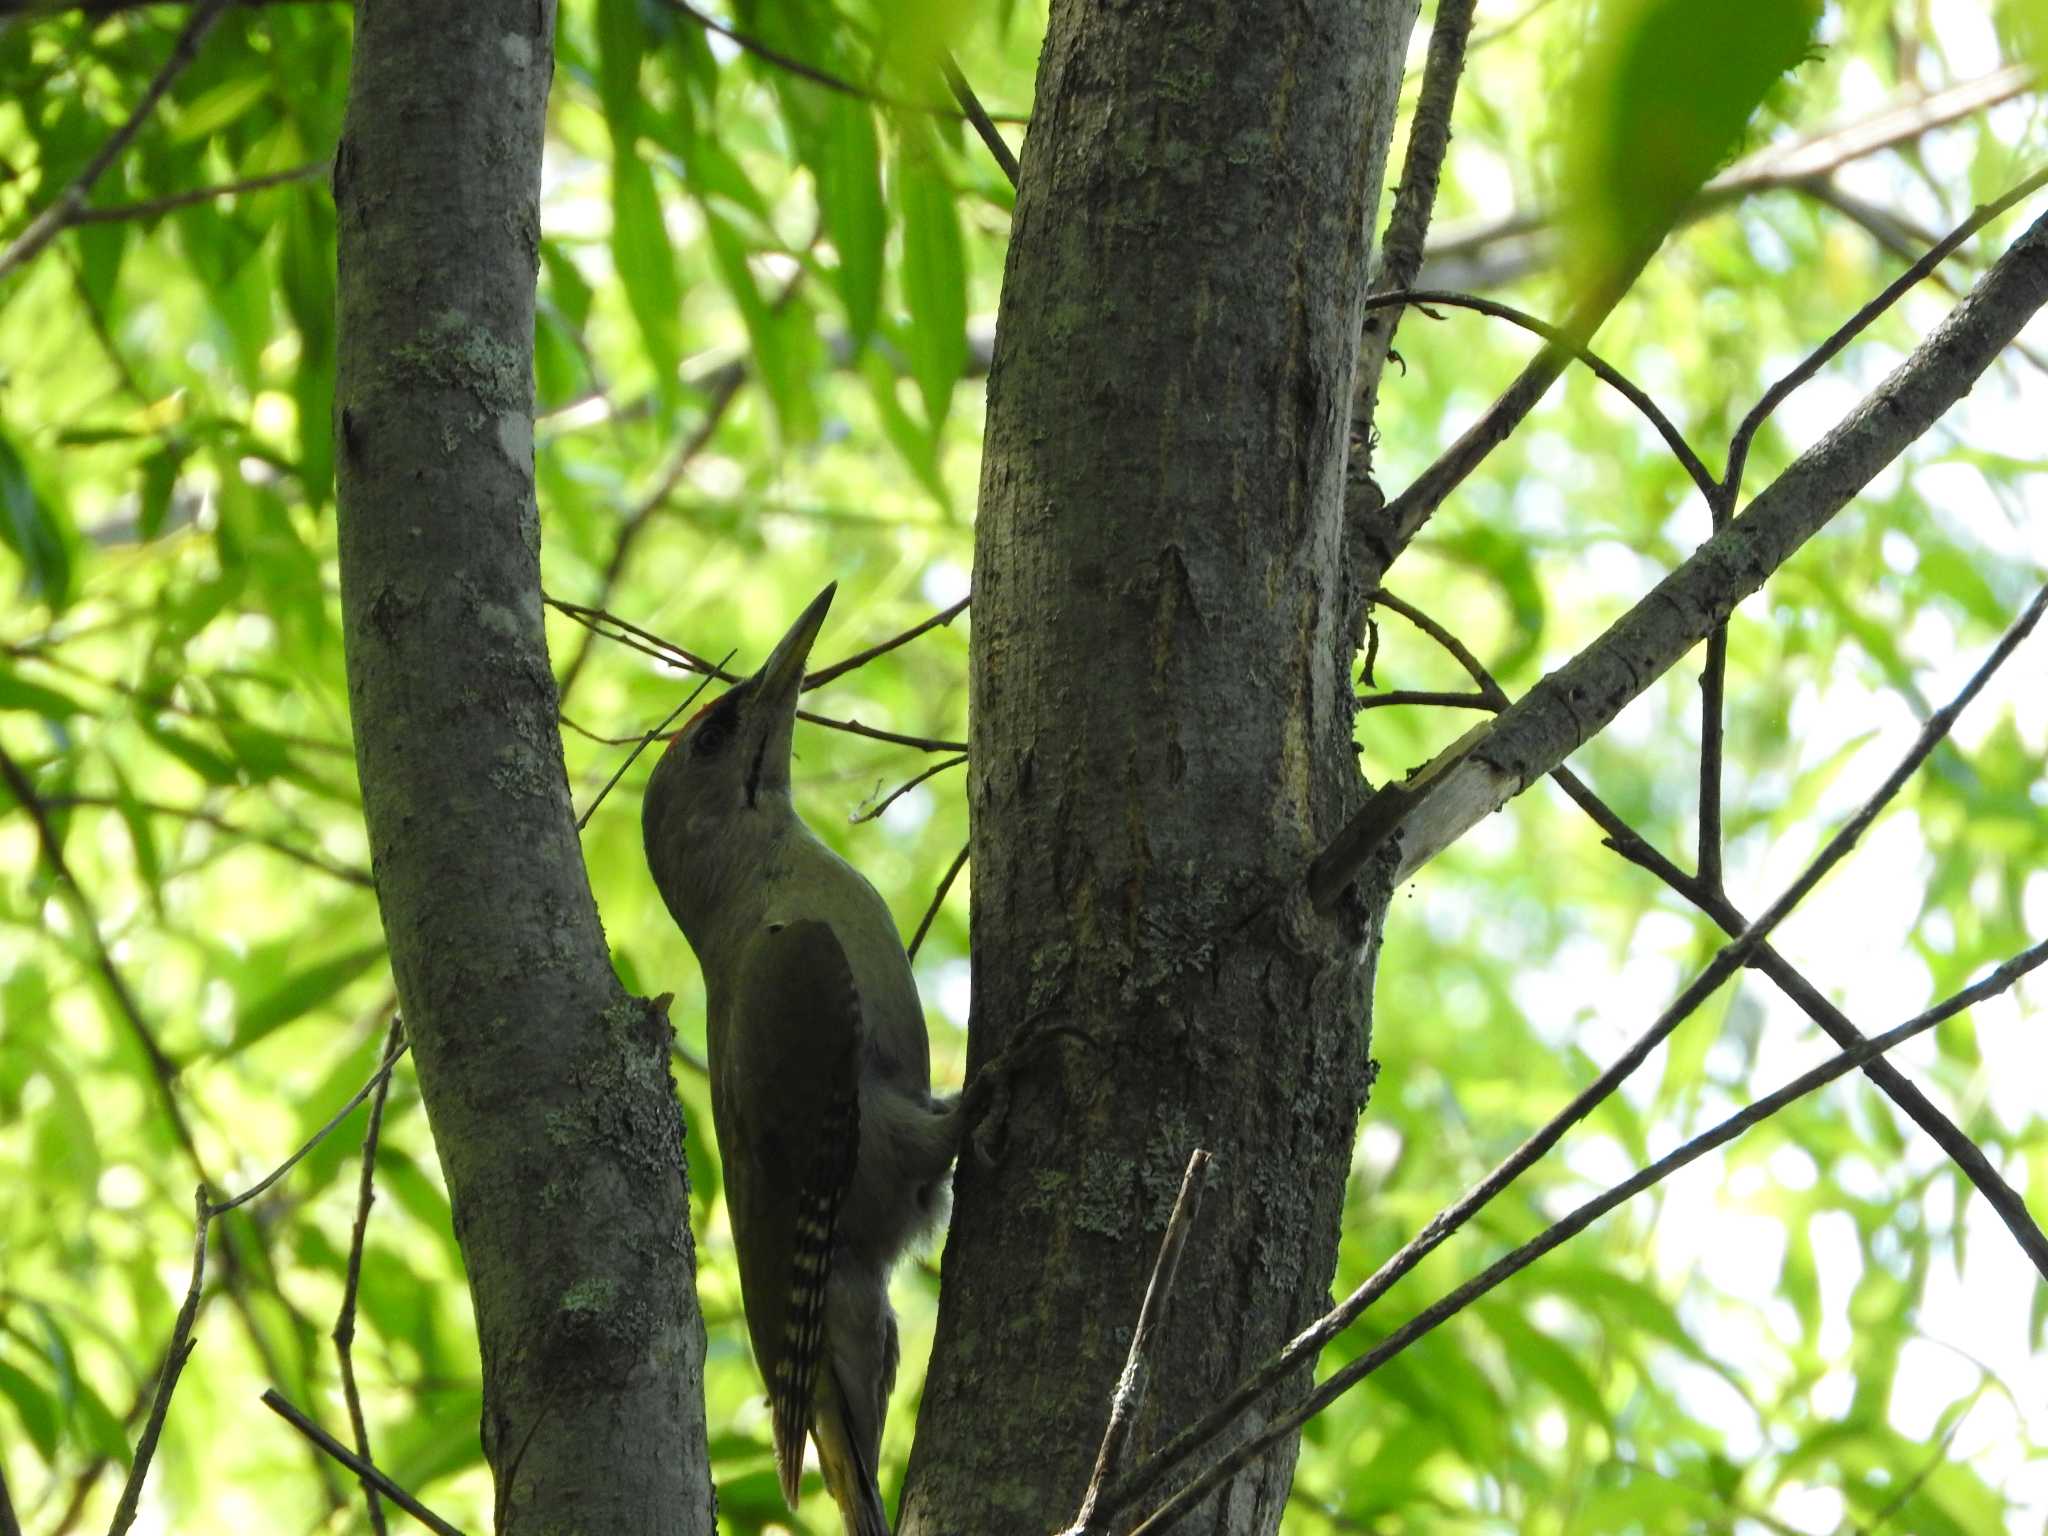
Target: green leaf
849 174
621 41
1531 1350
100 249
934 282
218 107
197 756
1667 95
141 835
17 692
38 1413
917 444
647 267
783 342
35 530
159 480
300 993
567 290
306 270
2024 24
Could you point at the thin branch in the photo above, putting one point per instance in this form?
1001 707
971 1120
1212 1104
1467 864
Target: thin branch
1459 257
285 1167
975 113
1129 1399
364 1469
1390 529
167 1382
924 924
635 521
789 63
642 745
116 213
1572 704
1726 961
344 1334
1428 696
1856 324
1713 901
839 669
1562 338
1912 1485
1341 1381
1713 726
59 215
649 644
876 733
10 1524
1401 249
875 811
1903 238
347 873
162 1069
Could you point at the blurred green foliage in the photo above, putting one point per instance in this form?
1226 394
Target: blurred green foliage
764 312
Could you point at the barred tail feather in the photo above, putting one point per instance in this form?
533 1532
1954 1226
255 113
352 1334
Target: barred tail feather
796 1386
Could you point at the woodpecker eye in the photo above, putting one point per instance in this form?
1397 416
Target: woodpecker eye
714 727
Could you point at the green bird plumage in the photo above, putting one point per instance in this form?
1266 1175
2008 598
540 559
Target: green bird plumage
834 1149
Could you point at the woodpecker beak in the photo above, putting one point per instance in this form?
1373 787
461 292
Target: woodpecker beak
781 677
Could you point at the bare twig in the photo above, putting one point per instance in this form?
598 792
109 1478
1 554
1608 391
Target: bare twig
1393 527
642 745
1710 899
1562 338
839 669
1460 257
59 215
924 924
182 1344
975 113
903 789
635 521
635 638
162 1069
1578 700
811 72
1129 1399
1730 958
348 873
116 213
1440 698
1341 1381
344 1334
10 1524
1912 1485
167 1381
285 1167
367 1471
876 733
1856 324
1401 249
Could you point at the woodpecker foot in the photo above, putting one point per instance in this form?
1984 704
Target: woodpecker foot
985 1100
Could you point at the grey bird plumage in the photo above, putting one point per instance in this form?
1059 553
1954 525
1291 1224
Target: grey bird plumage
834 1149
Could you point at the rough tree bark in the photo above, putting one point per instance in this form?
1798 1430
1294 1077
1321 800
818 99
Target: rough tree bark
547 1086
1163 636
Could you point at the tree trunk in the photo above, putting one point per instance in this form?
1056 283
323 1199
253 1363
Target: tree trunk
1161 726
547 1086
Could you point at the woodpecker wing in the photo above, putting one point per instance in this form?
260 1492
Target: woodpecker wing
789 1129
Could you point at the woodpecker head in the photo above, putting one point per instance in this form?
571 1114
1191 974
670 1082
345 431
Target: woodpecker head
723 783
